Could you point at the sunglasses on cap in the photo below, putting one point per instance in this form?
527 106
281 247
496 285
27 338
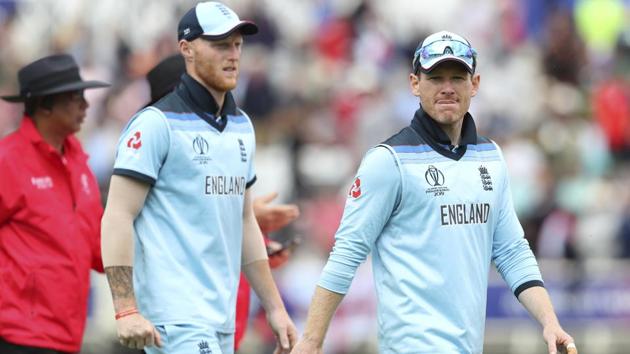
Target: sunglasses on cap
428 56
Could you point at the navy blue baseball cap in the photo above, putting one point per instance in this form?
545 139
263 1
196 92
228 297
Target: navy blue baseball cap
213 20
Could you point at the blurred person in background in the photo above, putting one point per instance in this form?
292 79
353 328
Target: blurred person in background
163 79
50 212
181 185
433 204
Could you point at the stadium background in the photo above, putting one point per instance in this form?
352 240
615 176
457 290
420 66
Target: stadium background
326 79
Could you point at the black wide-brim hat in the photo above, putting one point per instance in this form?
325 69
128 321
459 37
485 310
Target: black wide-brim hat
50 75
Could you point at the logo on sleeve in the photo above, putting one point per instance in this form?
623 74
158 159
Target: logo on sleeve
85 183
134 142
355 190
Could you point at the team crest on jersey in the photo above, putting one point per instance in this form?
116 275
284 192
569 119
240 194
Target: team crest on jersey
135 141
243 151
355 190
436 180
204 348
201 148
486 180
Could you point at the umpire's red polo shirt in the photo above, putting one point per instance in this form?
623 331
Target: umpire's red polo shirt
50 212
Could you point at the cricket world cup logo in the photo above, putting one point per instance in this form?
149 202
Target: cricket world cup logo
434 177
200 145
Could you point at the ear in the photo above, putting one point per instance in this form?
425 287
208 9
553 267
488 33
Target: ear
186 49
476 80
414 83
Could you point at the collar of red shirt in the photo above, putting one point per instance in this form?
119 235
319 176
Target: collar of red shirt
30 132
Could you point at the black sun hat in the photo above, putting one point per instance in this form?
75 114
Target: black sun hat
49 75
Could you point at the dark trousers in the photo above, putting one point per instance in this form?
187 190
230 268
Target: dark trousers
10 348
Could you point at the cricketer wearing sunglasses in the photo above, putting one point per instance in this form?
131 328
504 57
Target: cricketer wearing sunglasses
433 205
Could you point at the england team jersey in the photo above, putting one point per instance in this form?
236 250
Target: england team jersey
188 235
434 219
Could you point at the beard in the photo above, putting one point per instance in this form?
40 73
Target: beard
214 77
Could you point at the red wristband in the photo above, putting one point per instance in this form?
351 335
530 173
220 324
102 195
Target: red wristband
125 313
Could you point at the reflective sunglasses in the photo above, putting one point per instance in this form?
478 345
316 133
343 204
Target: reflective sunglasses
427 56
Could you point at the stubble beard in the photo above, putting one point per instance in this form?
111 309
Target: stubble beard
213 79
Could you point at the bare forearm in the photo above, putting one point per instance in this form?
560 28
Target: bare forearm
320 313
259 276
117 238
120 280
124 202
537 302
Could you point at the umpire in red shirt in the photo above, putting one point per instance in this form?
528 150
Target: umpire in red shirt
50 212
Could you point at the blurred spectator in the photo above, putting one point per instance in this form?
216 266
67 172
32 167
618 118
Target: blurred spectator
611 100
564 54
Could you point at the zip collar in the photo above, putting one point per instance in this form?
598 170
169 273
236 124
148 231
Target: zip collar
203 104
434 136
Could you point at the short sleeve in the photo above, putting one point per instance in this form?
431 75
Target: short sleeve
251 174
251 148
143 146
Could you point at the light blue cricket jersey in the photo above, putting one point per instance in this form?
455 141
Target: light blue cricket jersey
188 235
434 220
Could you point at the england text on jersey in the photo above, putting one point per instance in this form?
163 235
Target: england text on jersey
225 185
457 214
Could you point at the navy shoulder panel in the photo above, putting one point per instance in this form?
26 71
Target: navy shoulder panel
407 136
172 103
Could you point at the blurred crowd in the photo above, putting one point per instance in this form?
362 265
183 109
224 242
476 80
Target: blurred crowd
324 80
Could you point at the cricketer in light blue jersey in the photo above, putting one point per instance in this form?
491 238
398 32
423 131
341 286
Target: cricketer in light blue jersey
195 254
432 204
180 195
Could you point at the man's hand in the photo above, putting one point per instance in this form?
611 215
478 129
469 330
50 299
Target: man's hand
558 341
283 330
136 332
273 217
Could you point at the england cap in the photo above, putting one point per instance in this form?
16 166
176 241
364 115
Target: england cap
444 46
214 20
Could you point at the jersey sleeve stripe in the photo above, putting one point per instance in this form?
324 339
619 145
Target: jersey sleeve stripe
526 285
250 183
135 175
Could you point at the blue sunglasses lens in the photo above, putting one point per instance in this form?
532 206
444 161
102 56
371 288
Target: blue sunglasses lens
432 52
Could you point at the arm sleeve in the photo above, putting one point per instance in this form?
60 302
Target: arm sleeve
511 253
7 200
143 146
371 201
11 198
